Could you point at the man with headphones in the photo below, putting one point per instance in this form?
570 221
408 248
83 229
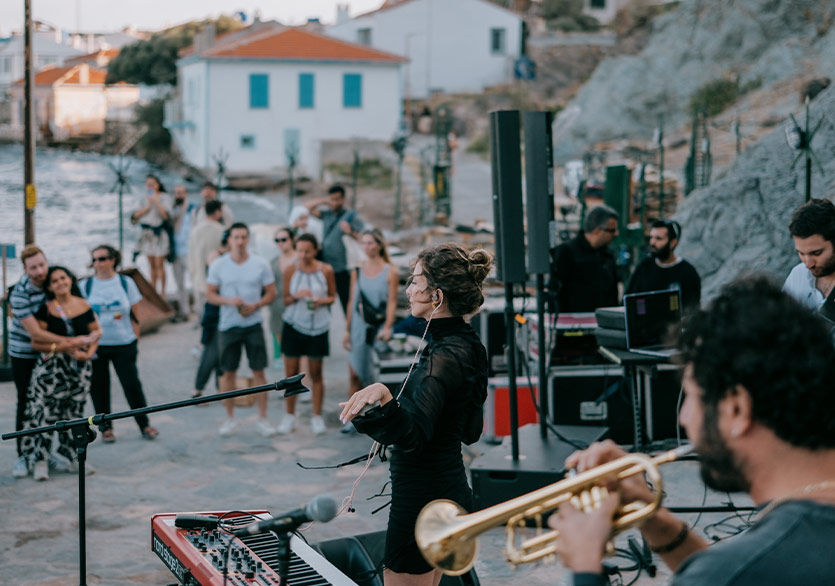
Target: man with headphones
664 270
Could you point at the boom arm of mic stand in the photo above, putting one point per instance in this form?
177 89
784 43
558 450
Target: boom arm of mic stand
291 386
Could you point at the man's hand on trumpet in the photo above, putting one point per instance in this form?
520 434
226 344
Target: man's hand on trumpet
583 536
631 489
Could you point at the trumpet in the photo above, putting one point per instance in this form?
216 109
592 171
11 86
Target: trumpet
447 535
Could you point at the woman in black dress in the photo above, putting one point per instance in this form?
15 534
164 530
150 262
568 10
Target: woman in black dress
439 407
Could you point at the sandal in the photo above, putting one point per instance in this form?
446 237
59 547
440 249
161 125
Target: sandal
150 433
107 436
196 394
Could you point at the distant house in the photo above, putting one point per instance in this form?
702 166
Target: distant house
273 91
99 59
453 46
72 101
604 10
48 49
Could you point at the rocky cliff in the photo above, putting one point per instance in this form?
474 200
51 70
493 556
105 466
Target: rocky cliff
761 43
739 223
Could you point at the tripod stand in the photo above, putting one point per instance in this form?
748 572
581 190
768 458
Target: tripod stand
83 433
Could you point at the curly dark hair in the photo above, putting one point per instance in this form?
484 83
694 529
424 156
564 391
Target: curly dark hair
458 273
816 216
756 336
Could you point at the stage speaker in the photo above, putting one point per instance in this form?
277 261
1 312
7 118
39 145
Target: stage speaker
496 477
506 172
539 190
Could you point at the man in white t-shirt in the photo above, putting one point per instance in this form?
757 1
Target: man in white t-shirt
812 228
241 284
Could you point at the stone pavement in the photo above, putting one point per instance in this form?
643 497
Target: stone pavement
190 468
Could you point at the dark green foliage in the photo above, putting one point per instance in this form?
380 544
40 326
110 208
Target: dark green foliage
717 95
154 61
157 139
567 16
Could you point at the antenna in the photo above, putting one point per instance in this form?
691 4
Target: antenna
801 141
120 186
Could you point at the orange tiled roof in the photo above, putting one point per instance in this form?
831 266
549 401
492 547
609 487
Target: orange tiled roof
50 75
294 43
106 53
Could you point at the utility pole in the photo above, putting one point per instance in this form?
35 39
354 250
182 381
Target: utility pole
30 196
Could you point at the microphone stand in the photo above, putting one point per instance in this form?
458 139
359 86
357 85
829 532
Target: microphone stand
283 554
83 433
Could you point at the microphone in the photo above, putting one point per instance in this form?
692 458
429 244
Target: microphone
322 509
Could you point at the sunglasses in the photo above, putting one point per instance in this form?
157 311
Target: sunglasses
281 240
100 258
610 230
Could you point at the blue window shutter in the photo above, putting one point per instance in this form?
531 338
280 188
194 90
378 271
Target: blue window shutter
352 90
259 90
306 90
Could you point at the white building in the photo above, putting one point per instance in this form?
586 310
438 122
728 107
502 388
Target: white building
275 91
71 102
452 45
48 48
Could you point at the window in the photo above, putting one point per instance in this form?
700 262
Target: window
497 41
364 36
259 90
352 90
247 141
601 4
306 90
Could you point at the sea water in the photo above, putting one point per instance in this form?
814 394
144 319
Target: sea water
78 207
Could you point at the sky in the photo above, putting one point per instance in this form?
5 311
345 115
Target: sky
110 15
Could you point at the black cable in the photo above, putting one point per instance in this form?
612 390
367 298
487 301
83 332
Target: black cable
228 547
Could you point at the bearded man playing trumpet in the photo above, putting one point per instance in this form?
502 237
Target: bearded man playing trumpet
758 407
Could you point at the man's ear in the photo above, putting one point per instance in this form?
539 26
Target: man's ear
737 407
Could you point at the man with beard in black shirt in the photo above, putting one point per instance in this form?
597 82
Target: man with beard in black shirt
664 270
757 384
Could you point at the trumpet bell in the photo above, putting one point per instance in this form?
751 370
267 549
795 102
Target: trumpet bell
452 556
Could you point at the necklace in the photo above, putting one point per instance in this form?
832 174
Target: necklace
800 492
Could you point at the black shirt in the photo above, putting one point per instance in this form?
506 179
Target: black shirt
649 276
584 277
56 325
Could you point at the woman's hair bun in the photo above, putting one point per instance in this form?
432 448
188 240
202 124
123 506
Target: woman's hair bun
480 264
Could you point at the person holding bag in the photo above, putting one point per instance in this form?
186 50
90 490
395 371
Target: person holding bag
370 314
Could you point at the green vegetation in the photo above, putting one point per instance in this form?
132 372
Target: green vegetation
370 173
157 141
717 95
154 61
567 16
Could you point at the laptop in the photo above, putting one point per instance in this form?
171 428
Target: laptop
649 316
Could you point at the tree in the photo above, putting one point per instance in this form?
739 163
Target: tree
154 61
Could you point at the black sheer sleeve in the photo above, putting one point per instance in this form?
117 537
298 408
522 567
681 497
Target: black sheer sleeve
437 392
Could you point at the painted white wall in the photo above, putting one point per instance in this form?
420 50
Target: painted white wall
66 110
446 41
229 117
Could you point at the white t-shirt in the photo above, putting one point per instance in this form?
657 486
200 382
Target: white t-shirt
800 284
112 304
245 280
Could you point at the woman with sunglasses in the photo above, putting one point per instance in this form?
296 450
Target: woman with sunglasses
61 380
371 309
114 298
439 406
286 257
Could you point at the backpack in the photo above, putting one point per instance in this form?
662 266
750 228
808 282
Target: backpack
88 287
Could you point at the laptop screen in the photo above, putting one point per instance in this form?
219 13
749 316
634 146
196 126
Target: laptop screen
649 316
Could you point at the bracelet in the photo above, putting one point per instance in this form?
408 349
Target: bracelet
675 543
52 349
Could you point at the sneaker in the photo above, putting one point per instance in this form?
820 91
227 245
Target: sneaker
21 468
41 471
264 428
288 424
227 427
317 425
348 428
